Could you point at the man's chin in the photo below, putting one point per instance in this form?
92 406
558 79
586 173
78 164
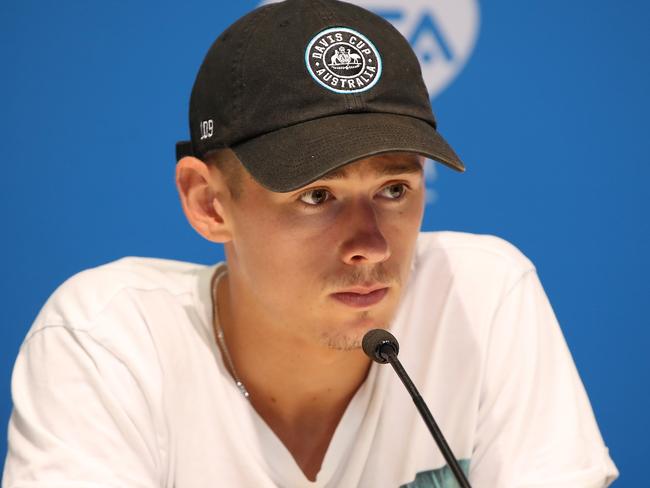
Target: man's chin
350 336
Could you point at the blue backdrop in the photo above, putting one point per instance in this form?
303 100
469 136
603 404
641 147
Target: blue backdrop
550 114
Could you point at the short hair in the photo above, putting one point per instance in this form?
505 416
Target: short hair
228 164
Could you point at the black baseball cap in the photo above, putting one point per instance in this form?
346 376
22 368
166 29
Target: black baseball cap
299 88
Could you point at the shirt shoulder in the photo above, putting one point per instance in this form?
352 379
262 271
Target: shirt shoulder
471 272
470 260
80 300
469 248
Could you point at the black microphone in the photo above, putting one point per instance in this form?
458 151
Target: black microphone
381 346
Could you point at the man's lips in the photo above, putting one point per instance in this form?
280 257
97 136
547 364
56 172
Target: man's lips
361 296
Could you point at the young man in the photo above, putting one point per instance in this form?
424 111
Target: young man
309 124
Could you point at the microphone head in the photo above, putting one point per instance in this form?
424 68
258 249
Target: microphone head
378 341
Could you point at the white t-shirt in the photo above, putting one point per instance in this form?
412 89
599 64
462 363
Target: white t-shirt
119 382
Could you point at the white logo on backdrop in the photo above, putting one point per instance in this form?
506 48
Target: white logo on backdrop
441 32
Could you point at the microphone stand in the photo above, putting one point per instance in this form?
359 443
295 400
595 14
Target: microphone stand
387 352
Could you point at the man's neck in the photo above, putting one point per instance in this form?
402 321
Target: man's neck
302 409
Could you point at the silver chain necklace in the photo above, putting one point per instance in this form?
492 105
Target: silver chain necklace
222 341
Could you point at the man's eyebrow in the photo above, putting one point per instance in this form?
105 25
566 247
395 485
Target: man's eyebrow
400 168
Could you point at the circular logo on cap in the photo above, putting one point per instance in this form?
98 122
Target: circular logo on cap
343 60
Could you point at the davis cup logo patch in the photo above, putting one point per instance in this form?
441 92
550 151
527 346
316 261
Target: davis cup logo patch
343 60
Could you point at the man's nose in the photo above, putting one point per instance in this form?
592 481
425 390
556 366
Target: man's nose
364 242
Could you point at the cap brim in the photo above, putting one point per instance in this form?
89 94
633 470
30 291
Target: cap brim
290 158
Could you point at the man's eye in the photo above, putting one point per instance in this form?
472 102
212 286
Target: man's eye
315 197
394 191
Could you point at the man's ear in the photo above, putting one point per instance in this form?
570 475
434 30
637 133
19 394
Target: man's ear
203 194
